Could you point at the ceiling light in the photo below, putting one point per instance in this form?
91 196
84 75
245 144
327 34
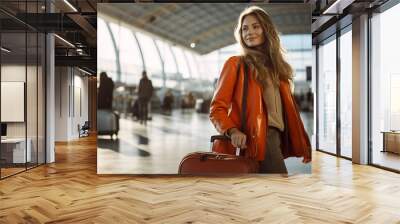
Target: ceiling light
328 10
64 40
86 72
337 7
193 45
5 50
79 51
70 5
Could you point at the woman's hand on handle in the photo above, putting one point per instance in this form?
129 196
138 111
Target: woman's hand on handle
238 138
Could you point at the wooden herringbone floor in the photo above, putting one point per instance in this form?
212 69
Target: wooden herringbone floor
70 191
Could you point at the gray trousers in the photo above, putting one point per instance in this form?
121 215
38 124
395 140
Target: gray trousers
273 162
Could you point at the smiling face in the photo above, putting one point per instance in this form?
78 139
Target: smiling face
252 32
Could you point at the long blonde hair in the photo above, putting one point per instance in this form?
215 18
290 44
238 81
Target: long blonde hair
269 61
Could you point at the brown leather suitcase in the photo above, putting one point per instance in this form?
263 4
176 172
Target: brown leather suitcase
198 163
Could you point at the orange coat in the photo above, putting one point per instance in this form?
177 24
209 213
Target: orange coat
226 108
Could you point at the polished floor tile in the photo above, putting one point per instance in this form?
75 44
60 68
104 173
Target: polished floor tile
159 147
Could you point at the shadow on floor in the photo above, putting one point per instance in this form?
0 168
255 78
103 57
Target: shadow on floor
122 147
142 140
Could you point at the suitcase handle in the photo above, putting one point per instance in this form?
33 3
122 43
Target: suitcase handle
223 137
220 137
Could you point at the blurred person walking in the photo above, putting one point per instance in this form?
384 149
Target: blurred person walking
105 93
145 92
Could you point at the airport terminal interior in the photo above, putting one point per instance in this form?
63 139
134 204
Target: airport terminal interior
186 73
72 135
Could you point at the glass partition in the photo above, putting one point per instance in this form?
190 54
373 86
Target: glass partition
22 76
385 89
327 96
346 94
15 151
31 98
41 96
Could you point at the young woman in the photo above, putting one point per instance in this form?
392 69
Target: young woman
273 129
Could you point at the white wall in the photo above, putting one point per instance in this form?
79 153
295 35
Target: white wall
79 112
71 103
61 103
